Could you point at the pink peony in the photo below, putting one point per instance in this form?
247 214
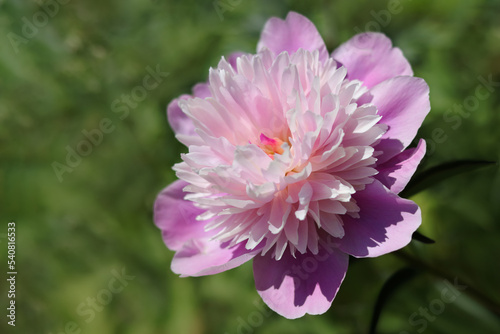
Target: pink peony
295 161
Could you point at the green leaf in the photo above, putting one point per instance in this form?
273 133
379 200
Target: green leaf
390 286
440 173
422 238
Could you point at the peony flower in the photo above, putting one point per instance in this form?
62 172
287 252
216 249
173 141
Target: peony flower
295 160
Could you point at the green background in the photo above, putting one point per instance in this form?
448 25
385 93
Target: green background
72 233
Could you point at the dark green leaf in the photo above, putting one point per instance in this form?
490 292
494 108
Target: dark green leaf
422 238
440 173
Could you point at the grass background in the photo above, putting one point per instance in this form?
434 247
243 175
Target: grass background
72 234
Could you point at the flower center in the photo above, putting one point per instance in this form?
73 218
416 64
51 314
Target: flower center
271 145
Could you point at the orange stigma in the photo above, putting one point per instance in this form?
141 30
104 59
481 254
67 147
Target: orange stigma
271 145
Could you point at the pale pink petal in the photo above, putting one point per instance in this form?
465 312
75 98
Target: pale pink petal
403 103
370 58
209 257
295 32
386 223
307 283
176 217
397 172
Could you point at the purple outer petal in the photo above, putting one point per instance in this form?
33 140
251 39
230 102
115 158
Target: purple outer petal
201 90
209 257
403 103
397 172
179 122
196 254
308 283
386 223
370 57
176 217
295 32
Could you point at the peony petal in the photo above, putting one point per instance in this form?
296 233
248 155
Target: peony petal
307 283
176 217
196 254
370 58
403 103
397 172
201 90
179 122
386 223
295 32
209 257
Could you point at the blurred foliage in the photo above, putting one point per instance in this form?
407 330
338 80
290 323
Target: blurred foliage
72 234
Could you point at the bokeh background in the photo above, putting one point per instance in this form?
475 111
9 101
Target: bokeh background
75 231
